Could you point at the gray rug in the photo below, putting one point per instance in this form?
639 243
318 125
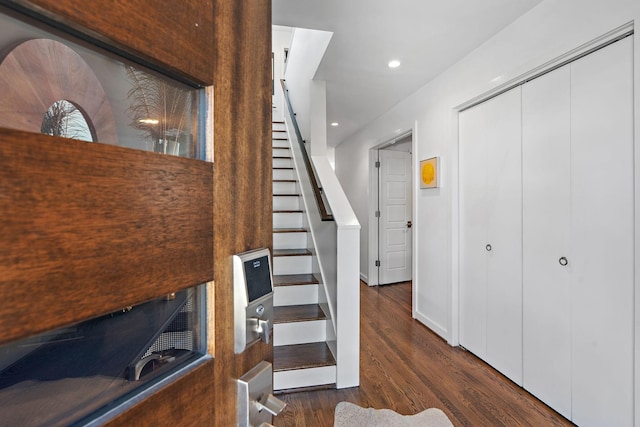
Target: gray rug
350 415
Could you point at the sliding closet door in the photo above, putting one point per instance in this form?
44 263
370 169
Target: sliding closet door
602 178
490 233
546 184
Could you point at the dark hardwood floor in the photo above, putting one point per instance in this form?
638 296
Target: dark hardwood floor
406 367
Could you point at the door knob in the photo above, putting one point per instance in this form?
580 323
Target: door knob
488 248
409 224
563 261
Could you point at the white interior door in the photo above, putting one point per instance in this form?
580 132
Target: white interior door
602 177
546 176
395 217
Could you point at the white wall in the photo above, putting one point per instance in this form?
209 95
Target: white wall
280 40
307 49
548 31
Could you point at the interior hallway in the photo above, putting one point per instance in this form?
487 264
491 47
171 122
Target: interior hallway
406 367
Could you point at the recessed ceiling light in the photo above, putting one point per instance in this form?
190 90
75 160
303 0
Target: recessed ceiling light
394 64
335 124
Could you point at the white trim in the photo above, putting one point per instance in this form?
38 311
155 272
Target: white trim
208 124
373 271
299 332
415 165
285 380
434 326
454 289
374 279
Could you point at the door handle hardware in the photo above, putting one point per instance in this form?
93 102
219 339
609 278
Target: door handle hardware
563 261
488 247
409 224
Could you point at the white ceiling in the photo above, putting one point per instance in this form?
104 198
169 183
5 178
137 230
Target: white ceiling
427 36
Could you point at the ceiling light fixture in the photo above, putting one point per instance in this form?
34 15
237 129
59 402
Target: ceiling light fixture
334 124
394 63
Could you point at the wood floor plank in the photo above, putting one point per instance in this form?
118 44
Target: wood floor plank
408 368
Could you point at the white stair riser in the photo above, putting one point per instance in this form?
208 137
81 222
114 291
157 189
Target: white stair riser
289 240
281 152
285 380
285 188
278 126
288 220
295 295
282 163
292 264
284 174
299 332
286 203
277 143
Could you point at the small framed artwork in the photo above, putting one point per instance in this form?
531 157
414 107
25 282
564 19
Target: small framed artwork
429 172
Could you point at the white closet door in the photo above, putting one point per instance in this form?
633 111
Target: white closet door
546 175
504 234
473 230
602 234
490 233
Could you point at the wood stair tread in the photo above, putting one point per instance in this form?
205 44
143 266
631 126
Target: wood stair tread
290 230
294 279
302 356
291 252
297 313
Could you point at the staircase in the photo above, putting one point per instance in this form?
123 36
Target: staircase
301 358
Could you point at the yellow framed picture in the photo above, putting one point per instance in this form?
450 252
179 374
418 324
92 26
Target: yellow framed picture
429 173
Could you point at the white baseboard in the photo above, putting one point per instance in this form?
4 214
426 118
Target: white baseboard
434 326
364 278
